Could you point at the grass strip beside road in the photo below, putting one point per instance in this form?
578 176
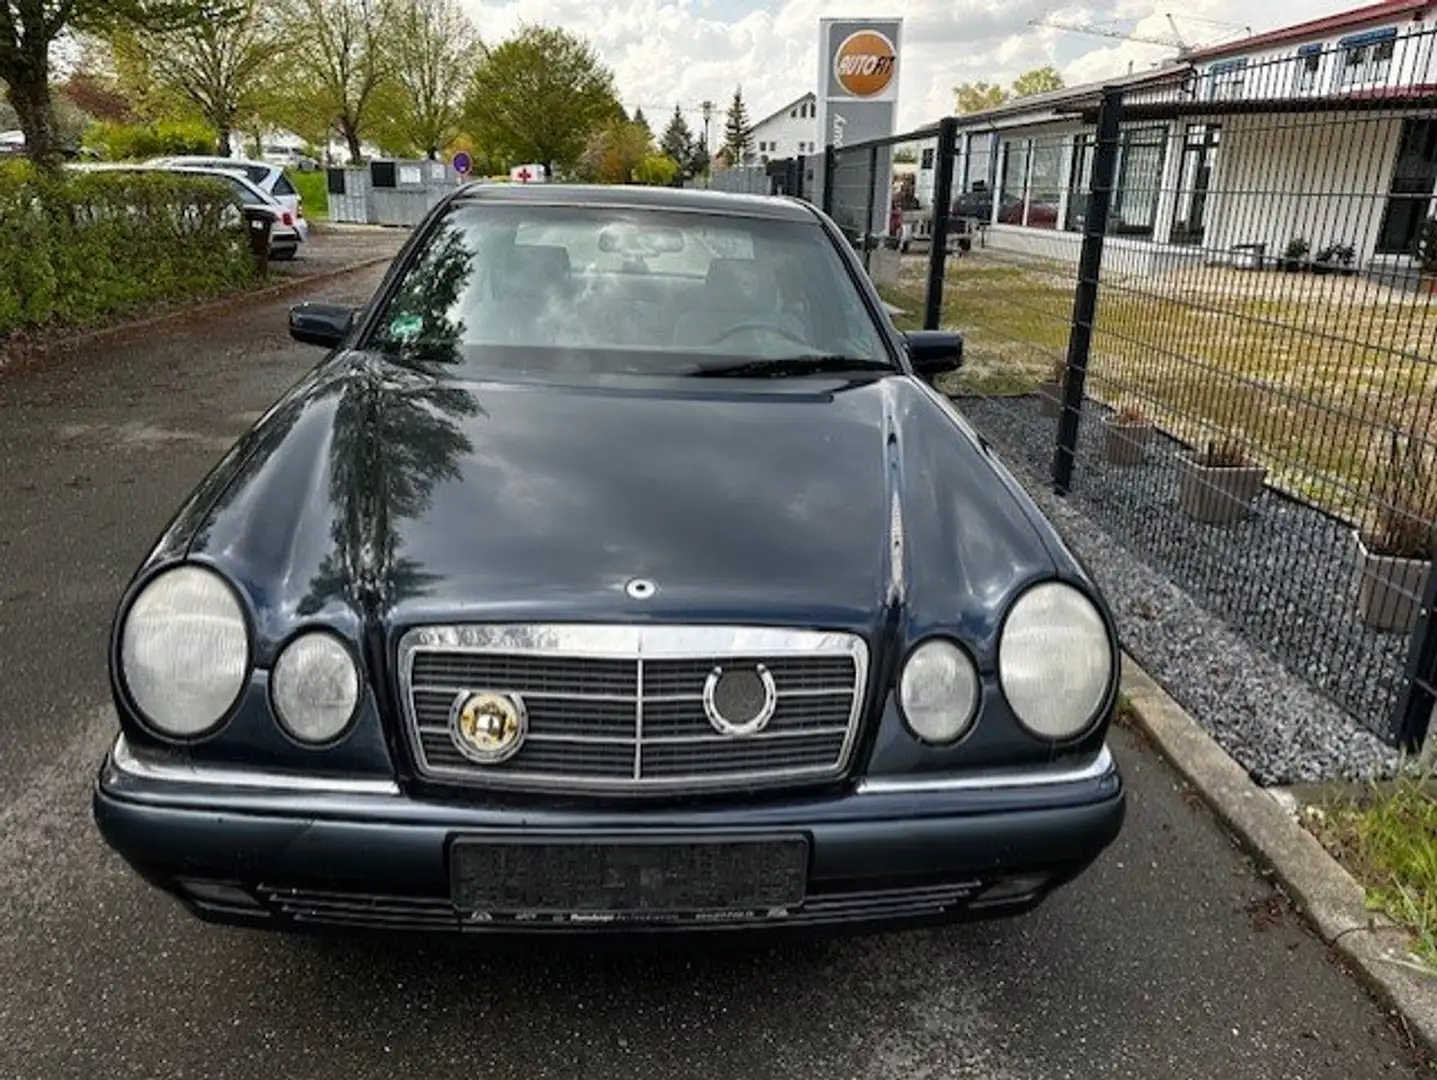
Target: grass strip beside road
1310 372
1387 840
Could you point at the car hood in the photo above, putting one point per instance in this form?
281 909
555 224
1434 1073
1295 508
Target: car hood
811 501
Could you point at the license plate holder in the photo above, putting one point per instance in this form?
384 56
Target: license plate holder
627 875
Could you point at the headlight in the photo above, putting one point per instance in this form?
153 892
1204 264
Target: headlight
938 692
315 687
184 651
1055 662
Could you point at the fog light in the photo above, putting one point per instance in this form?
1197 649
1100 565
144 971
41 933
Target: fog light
217 892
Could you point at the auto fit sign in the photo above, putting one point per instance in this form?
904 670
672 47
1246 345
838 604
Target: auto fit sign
859 62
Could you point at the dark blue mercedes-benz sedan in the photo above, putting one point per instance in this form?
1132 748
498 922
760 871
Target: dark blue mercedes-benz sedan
618 570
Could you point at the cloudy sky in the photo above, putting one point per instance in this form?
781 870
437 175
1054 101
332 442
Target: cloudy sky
667 52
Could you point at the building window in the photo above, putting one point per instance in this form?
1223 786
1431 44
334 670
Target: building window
1366 58
1012 179
1225 80
926 160
978 169
1136 182
793 114
1309 60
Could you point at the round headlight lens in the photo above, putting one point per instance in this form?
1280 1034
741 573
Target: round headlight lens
315 686
1055 662
938 692
184 651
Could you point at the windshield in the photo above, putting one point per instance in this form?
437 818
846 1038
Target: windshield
607 290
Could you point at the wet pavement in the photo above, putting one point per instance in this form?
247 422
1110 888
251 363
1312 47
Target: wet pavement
1172 958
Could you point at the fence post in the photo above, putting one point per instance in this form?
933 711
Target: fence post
1414 703
872 199
942 207
798 172
830 166
1085 298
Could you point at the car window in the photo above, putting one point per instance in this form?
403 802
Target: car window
633 291
283 187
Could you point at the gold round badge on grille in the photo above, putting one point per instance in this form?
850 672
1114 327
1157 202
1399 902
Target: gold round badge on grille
488 727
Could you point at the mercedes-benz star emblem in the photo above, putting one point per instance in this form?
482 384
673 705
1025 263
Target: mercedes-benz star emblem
740 700
487 727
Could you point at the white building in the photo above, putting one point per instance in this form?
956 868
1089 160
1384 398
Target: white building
787 132
1324 132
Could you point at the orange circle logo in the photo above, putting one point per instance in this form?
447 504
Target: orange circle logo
864 63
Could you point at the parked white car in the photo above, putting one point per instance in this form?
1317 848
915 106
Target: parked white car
285 235
268 177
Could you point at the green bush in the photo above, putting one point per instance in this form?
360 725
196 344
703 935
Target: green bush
313 188
78 247
136 142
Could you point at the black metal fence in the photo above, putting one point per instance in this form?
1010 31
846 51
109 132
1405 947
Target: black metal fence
1202 301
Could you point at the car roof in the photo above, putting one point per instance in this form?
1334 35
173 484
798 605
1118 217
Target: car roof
637 197
211 170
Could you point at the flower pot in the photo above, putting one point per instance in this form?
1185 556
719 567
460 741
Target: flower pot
1389 589
1123 442
1050 396
1218 496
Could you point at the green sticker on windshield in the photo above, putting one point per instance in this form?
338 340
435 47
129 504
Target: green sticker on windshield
405 327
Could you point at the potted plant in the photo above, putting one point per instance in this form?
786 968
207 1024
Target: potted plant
1395 554
1425 249
1337 257
1050 391
1294 256
1127 430
1219 486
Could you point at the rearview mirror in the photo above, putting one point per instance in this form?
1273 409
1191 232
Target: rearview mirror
320 324
934 352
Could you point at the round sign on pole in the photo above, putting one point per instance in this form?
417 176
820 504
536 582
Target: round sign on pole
461 162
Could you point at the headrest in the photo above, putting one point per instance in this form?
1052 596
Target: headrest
742 283
533 270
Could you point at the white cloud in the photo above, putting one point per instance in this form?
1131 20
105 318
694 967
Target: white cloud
667 52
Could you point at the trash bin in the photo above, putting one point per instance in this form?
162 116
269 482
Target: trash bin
259 223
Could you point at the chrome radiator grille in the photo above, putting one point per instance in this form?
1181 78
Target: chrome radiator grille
624 708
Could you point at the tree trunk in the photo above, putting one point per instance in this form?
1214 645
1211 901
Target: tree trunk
351 139
223 142
30 95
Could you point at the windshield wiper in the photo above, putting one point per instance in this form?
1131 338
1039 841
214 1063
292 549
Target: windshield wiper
806 364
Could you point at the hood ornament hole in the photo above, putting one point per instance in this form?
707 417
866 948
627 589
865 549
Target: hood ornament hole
640 588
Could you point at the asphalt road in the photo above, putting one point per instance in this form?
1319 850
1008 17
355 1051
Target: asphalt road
1172 958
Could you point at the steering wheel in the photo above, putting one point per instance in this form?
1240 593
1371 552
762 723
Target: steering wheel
755 324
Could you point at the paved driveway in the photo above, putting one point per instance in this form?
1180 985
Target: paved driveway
1171 959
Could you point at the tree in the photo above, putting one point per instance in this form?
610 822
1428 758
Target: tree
29 27
643 121
215 65
342 59
678 144
614 155
737 137
540 96
975 97
1038 81
434 50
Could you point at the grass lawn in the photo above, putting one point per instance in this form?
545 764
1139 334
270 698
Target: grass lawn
1389 843
313 190
1307 370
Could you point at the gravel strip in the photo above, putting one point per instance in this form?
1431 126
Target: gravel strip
1180 590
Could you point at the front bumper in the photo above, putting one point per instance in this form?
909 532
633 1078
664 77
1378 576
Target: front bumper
299 852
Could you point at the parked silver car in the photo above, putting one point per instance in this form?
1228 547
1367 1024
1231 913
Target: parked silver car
284 237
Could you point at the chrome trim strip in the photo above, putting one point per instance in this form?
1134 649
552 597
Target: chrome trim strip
124 760
639 720
1047 776
636 643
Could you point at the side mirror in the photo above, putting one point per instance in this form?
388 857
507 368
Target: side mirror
934 352
320 324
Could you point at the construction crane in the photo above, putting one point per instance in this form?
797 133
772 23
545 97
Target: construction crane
1175 41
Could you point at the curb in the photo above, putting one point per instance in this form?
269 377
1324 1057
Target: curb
1322 891
43 351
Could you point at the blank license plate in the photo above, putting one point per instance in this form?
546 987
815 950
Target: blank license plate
627 876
